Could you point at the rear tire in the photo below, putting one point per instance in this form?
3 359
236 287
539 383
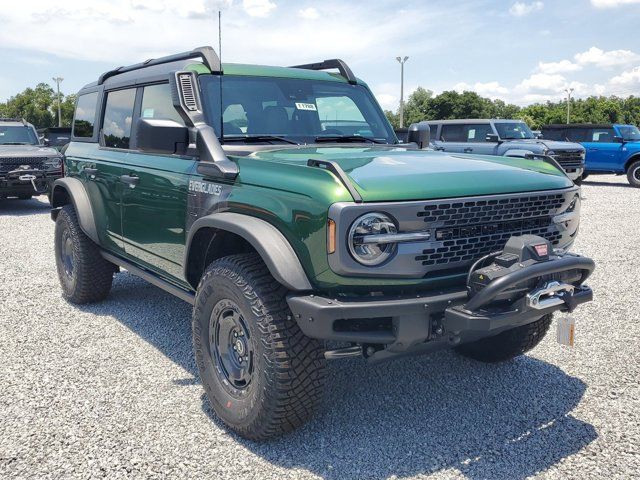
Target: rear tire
262 375
85 277
509 344
633 174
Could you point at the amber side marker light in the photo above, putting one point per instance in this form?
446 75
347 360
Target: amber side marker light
331 236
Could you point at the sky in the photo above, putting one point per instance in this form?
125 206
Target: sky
519 51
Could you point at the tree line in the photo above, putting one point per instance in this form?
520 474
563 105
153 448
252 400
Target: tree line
424 105
39 106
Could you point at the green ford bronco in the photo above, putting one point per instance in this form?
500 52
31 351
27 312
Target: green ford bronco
280 204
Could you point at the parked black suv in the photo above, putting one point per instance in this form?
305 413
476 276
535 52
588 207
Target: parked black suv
27 168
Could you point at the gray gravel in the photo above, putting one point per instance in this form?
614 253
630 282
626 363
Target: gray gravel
111 390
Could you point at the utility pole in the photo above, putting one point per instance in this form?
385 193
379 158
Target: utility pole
569 91
58 80
402 61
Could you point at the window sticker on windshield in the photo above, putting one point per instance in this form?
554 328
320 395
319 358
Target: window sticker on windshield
147 113
306 106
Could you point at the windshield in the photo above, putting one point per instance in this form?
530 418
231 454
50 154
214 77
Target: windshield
629 133
514 131
287 110
17 135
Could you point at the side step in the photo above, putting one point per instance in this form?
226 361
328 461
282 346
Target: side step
182 294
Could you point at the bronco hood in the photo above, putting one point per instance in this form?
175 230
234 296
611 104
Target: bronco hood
553 145
397 173
13 151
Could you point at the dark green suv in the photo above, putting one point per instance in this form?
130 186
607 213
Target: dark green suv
279 203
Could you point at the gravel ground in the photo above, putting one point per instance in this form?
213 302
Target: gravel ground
111 390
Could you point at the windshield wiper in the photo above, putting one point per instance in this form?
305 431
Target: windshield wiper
16 143
257 138
347 139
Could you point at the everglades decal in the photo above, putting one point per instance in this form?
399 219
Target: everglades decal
205 187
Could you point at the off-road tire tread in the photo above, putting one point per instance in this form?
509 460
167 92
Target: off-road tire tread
94 274
634 182
296 368
509 344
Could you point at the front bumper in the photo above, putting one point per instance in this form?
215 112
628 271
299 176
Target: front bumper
403 325
574 173
34 182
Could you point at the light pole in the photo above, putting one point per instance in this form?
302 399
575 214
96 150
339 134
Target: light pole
569 91
58 80
402 61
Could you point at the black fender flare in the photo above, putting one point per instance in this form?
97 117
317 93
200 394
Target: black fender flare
75 191
272 246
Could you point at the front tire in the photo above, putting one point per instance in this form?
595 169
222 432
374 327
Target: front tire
633 174
262 375
509 344
85 276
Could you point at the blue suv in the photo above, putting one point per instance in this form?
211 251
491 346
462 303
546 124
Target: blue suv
611 148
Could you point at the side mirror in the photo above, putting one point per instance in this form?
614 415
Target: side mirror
156 135
46 142
539 135
420 134
492 137
618 139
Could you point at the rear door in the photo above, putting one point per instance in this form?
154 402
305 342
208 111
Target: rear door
99 168
452 138
154 202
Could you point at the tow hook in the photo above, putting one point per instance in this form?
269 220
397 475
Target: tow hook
346 352
550 295
32 179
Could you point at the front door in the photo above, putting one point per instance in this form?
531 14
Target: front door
154 199
603 153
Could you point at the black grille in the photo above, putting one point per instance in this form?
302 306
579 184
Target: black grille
13 163
569 159
467 230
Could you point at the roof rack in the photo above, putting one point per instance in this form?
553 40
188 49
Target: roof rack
342 67
208 55
12 119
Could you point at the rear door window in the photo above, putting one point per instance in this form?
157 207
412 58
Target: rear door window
453 133
118 117
577 135
85 115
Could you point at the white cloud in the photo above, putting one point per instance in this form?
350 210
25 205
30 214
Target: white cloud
489 89
599 89
387 101
599 58
542 82
558 67
612 3
629 77
258 8
308 13
520 9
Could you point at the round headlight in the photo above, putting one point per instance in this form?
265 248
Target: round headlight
54 162
361 246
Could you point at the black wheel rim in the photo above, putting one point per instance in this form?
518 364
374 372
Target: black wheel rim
636 173
230 347
66 253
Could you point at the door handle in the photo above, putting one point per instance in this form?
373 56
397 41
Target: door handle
92 172
467 150
131 180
